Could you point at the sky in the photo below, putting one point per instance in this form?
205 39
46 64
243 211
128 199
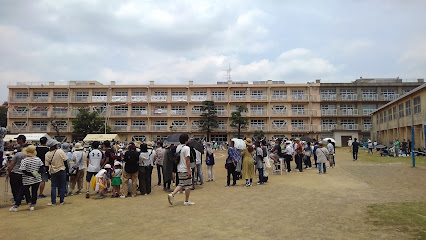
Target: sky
173 42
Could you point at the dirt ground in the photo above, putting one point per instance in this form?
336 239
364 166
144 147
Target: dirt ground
292 206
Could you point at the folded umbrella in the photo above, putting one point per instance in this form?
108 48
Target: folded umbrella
173 139
197 145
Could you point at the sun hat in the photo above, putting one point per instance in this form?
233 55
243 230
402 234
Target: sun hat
107 165
117 163
297 139
66 147
248 141
149 144
78 146
52 142
30 151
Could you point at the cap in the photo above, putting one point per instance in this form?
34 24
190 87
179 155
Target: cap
117 163
22 137
107 166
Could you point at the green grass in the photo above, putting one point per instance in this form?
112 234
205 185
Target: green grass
406 217
376 158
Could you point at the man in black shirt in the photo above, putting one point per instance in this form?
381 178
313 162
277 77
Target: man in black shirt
276 151
355 147
41 153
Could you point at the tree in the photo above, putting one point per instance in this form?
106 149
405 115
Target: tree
208 120
3 115
55 126
237 120
88 122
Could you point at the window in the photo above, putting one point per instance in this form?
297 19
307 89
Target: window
61 124
139 138
221 124
199 93
328 106
279 123
99 94
196 123
346 106
369 91
298 124
120 123
82 94
160 123
197 109
138 108
297 135
297 107
179 123
257 122
404 91
41 94
386 92
219 138
178 93
417 105
367 121
328 91
164 108
257 93
408 108
279 93
60 94
239 93
401 110
381 117
160 138
297 92
160 93
257 109
59 110
121 108
390 114
178 108
279 109
377 119
220 108
218 93
121 93
346 91
328 121
347 121
139 123
21 95
42 125
139 93
20 124
395 114
384 116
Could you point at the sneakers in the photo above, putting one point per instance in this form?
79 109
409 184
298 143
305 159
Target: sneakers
87 194
260 183
189 203
171 198
13 209
51 204
41 196
78 192
226 185
122 196
70 194
32 208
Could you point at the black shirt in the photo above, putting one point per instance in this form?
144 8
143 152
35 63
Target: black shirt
41 152
277 147
355 146
108 153
131 158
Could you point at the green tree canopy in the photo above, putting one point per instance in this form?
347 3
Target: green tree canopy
208 120
88 122
3 115
237 120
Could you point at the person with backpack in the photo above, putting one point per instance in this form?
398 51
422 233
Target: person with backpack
146 160
322 155
130 159
110 158
314 151
94 163
231 163
209 162
307 151
330 148
181 157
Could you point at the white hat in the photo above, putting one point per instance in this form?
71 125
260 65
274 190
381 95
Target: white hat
107 166
117 163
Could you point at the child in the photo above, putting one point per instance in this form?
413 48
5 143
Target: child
116 178
100 181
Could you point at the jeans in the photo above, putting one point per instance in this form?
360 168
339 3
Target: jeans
58 182
210 172
200 173
18 188
298 159
159 172
316 158
260 170
355 155
230 167
26 189
370 150
323 166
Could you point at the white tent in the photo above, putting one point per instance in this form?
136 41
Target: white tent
7 138
101 137
32 137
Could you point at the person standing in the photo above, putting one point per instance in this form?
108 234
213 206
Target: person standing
355 148
231 163
41 153
15 173
198 166
404 147
322 156
307 151
266 163
159 161
350 144
370 147
66 147
314 149
55 160
3 132
31 167
167 168
145 166
330 148
396 146
298 154
77 170
209 162
184 171
258 161
409 146
248 162
288 155
131 159
94 163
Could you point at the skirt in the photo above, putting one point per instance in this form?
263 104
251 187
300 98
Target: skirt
116 181
184 181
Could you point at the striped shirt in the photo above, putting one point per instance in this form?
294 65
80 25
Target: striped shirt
30 165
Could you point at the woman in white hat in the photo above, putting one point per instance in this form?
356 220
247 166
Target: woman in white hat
77 169
31 178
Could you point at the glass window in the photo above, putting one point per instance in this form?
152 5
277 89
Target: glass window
140 138
21 94
99 94
160 123
41 94
40 123
178 108
417 105
297 107
390 114
346 106
295 122
139 123
395 114
82 94
369 91
161 107
408 108
139 108
60 94
401 110
346 91
347 121
160 93
328 106
257 122
257 93
121 108
139 93
328 121
219 108
218 93
297 92
328 91
178 93
239 93
121 93
219 138
179 123
257 107
279 92
199 93
20 124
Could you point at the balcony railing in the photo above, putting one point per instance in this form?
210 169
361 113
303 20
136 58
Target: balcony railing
390 97
179 98
120 112
282 112
370 97
138 127
60 99
329 112
40 99
39 113
350 112
218 98
19 113
20 99
221 127
279 98
80 99
99 99
221 112
195 127
328 127
257 127
119 99
19 128
299 97
350 126
159 128
196 113
39 128
198 98
75 112
297 112
139 99
179 128
238 98
367 112
178 112
279 127
328 97
119 127
159 98
367 127
159 112
139 112
258 112
299 127
258 97
59 113
349 97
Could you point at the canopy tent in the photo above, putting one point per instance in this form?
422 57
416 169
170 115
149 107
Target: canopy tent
101 137
31 137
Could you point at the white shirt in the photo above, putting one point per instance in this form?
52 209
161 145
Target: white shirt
78 159
288 149
147 158
101 173
185 151
95 157
330 148
197 157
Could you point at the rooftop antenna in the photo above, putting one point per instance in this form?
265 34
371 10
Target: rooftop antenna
228 73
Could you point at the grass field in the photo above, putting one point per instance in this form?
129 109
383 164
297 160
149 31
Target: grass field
356 200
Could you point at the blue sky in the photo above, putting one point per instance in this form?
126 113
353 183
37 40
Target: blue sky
133 42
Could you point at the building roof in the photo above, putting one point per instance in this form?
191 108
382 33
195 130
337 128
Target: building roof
401 97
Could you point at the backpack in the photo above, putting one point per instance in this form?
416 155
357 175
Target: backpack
176 157
265 152
210 159
192 155
112 156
